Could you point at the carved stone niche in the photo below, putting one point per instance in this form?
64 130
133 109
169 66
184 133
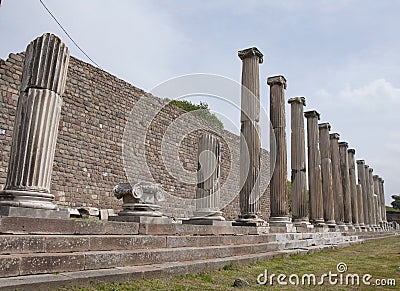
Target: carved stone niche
140 199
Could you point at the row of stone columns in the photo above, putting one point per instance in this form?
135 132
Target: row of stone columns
334 196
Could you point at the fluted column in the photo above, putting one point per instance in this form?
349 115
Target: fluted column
314 168
208 173
368 196
378 200
36 125
344 170
372 197
298 162
362 181
250 145
382 192
353 187
337 178
360 203
278 186
326 170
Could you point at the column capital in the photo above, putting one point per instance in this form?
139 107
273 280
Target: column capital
299 99
360 162
334 135
380 179
375 177
343 144
352 151
311 113
280 80
370 170
324 125
250 52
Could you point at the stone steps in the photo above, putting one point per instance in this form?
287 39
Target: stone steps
36 254
20 244
87 277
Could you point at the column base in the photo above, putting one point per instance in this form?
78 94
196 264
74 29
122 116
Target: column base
142 219
321 228
304 227
249 220
330 223
281 224
207 215
12 211
27 199
343 227
207 222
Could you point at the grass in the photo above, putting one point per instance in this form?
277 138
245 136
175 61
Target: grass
388 208
379 258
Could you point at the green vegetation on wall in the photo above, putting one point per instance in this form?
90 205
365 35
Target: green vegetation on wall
200 110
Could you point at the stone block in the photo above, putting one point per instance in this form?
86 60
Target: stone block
25 225
51 263
155 229
142 219
12 211
207 222
21 244
9 266
126 242
65 244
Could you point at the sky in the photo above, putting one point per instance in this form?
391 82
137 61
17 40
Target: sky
341 55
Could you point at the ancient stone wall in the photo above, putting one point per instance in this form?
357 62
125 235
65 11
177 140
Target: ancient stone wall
88 160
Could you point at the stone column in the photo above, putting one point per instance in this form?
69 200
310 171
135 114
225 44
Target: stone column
362 182
326 170
360 207
208 173
250 145
372 199
344 170
314 169
382 192
298 162
353 187
368 197
378 200
36 128
278 186
337 179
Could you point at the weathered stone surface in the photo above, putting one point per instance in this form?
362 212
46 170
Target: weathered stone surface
326 171
298 162
65 244
24 225
50 263
250 143
126 243
353 187
46 64
344 170
278 149
337 178
239 282
208 180
10 244
362 182
36 125
97 106
9 266
314 168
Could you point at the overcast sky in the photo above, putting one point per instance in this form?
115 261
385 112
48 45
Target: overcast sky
343 56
